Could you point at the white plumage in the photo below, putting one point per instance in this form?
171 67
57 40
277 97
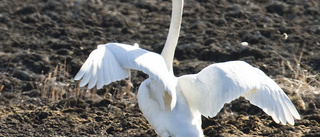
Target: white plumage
111 62
221 83
173 106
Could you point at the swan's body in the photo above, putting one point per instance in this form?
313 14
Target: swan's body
174 105
180 121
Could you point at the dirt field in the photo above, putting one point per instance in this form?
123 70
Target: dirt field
43 43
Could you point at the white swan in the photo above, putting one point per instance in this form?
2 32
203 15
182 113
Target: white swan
173 106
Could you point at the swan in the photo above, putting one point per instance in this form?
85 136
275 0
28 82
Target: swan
174 105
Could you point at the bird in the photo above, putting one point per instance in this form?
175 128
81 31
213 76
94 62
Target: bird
174 105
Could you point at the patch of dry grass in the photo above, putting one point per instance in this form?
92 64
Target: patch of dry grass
303 86
55 85
3 76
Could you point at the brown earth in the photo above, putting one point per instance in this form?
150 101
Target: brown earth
44 43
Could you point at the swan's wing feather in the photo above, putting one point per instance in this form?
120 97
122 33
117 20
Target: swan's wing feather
111 62
100 61
221 83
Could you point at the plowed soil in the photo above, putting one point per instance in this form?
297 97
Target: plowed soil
43 43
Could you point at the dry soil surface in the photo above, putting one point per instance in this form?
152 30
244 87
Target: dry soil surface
43 43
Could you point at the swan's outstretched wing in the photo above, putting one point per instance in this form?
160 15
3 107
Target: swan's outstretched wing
111 62
221 83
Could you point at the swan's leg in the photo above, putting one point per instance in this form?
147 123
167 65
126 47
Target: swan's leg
129 85
126 90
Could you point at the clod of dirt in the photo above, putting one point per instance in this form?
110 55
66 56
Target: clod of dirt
71 102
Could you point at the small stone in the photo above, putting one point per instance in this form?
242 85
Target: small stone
244 43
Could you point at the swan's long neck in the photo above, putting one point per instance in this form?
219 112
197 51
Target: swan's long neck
174 31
